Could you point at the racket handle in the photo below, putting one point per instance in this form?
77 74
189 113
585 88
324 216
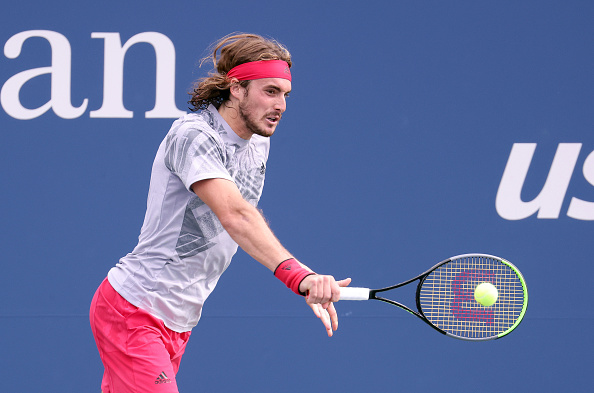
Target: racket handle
353 293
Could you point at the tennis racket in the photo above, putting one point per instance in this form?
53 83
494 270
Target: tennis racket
446 302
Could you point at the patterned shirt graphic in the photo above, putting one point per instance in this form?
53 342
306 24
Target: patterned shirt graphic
183 248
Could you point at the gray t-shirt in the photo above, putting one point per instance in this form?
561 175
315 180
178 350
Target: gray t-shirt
183 248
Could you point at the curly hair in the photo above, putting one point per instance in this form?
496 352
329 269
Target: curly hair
233 49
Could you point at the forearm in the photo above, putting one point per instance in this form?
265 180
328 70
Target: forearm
242 221
248 228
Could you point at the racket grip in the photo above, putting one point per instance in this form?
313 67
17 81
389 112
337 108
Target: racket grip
353 293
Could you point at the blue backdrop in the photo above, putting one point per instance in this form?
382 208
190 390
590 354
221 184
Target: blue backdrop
407 140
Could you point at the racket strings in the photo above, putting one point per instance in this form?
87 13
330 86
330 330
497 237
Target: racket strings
446 297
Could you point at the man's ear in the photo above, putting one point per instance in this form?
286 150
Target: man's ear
236 90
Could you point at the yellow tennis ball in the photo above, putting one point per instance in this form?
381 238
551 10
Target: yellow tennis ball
486 294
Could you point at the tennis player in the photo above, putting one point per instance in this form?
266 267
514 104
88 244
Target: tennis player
206 181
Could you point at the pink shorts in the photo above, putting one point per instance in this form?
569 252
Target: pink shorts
138 352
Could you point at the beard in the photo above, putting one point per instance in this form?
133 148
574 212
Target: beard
251 123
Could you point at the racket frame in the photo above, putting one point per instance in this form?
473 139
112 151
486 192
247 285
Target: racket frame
421 277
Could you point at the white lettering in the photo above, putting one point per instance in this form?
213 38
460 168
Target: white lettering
579 209
60 78
508 202
60 73
113 84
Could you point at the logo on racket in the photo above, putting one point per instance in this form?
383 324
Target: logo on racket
463 288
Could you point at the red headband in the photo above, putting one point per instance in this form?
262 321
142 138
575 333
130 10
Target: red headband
261 69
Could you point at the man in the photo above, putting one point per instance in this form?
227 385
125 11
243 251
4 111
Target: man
206 181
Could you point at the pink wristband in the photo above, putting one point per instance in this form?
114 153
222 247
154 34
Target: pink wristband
291 273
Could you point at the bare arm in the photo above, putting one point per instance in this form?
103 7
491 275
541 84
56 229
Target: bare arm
247 227
242 221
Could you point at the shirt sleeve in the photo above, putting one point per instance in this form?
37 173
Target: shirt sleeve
193 154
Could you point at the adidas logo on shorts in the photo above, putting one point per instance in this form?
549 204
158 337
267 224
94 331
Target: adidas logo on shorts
162 378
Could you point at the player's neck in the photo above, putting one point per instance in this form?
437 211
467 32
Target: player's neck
230 114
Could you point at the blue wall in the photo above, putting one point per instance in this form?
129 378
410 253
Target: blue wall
391 157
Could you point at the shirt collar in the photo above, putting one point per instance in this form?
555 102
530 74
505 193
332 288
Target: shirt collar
228 134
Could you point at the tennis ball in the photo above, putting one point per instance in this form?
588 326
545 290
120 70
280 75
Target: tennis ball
486 294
